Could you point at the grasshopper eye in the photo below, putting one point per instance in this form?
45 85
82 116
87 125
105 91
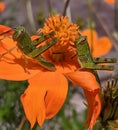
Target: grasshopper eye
82 39
21 31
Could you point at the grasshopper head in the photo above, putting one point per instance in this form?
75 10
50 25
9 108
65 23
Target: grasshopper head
19 31
80 40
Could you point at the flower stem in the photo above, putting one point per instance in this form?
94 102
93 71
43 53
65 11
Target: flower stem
105 29
49 5
90 22
116 20
116 15
30 15
21 123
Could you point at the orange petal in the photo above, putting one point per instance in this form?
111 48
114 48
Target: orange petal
4 29
88 82
92 37
94 108
110 1
56 93
16 72
44 97
84 79
116 122
2 6
103 46
13 65
66 67
33 103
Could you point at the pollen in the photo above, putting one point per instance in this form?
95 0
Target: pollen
65 31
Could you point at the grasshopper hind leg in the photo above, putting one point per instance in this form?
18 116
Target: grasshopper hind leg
43 62
104 60
36 54
98 67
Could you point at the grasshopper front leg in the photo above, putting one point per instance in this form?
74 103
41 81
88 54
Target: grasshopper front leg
42 38
36 54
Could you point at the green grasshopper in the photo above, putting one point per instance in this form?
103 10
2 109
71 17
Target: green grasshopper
86 60
29 47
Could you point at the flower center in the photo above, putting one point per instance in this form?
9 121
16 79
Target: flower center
66 33
57 52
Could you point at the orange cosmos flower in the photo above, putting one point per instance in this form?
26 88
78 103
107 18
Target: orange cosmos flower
98 46
117 122
110 1
2 6
47 90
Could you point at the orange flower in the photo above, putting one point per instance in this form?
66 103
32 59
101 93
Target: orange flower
2 6
110 1
117 122
47 90
98 46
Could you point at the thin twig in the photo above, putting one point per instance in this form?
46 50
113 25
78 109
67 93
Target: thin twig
116 15
21 123
67 9
30 15
66 6
49 5
105 29
90 10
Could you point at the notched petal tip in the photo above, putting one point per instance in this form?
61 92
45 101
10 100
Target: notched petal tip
33 104
27 112
56 87
42 100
